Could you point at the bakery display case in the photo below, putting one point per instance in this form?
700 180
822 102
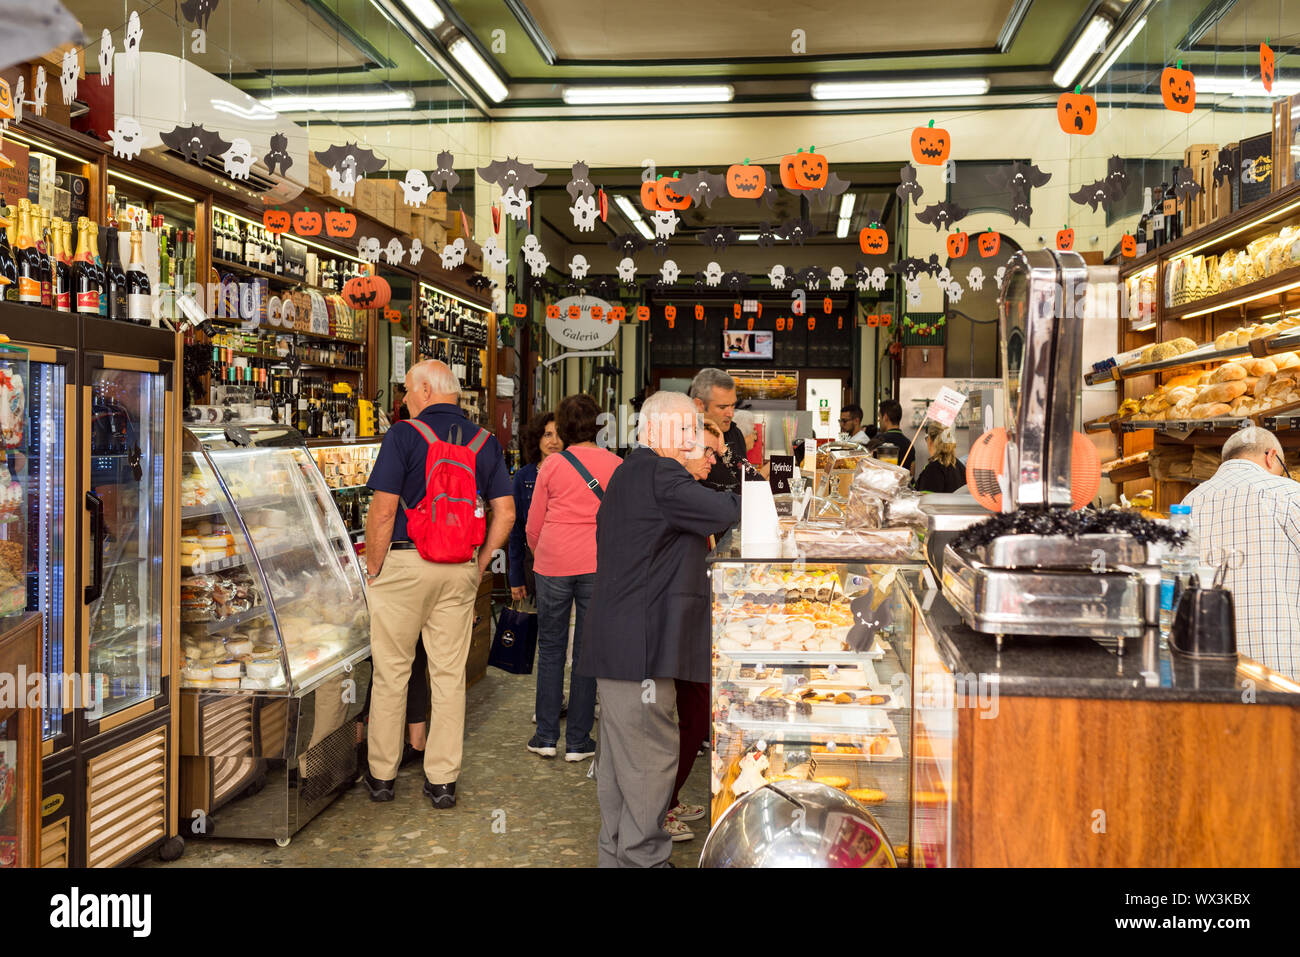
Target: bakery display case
273 617
346 468
810 681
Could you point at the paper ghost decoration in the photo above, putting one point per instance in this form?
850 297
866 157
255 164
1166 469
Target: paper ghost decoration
944 277
954 291
975 278
453 254
908 187
533 255
578 266
665 222
368 248
766 235
511 173
585 212
913 287
712 274
836 278
701 186
278 158
627 270
198 11
238 159
515 203
127 139
415 188
777 276
997 276
668 273
105 57
1185 185
579 183
38 92
347 164
131 41
735 279
941 215
195 143
627 243
797 230
68 76
718 238
417 251
445 176
20 97
393 252
879 279
494 257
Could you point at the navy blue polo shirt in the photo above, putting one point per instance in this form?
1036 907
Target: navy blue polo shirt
399 467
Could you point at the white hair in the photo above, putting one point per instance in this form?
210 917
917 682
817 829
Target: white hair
436 375
744 420
1251 440
659 414
706 380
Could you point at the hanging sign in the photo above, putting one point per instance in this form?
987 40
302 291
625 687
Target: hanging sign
585 331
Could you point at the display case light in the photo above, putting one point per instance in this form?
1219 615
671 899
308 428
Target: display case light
451 295
43 147
1264 294
114 174
1258 221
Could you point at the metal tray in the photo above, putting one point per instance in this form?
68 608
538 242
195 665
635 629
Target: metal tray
1045 601
1060 551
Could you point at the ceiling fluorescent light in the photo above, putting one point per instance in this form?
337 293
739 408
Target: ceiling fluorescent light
1089 42
426 12
1118 52
1243 86
617 95
748 237
846 205
625 206
341 102
478 69
900 89
842 228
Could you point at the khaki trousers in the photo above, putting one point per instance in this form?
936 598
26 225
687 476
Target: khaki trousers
413 599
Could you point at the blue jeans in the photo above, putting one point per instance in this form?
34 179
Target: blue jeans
555 595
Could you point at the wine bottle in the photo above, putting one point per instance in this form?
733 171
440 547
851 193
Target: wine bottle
29 260
8 265
139 295
84 279
41 231
62 266
1173 220
115 278
1158 236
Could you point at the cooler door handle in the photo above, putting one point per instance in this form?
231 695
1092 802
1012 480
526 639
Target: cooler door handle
95 505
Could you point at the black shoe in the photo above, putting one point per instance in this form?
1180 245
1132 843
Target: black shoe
443 796
410 754
379 790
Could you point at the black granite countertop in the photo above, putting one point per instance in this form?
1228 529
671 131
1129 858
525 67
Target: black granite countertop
1069 667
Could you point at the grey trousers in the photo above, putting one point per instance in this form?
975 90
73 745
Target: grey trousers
636 765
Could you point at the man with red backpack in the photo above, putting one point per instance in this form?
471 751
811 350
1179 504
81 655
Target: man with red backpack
428 544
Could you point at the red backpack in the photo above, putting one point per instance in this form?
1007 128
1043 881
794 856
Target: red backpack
448 523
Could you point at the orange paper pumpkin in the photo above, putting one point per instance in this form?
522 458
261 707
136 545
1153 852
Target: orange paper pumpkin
800 170
649 196
520 310
745 181
958 245
1178 88
735 309
575 312
307 223
1077 113
750 324
873 240
670 312
393 315
1128 245
667 197
642 313
366 292
597 313
780 323
6 101
276 221
699 312
931 145
873 320
827 305
886 318
552 311
1065 239
989 243
1266 66
340 224
617 314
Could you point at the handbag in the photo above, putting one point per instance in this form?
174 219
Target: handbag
515 642
592 482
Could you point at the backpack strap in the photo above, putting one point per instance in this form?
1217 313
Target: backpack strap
430 437
479 440
585 475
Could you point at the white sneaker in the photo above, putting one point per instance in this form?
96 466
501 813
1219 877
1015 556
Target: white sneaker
678 830
687 812
545 750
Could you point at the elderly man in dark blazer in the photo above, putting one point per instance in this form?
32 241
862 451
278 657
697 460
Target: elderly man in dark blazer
649 623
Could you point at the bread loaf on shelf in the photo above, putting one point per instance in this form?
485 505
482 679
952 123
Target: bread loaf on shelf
1221 392
1228 372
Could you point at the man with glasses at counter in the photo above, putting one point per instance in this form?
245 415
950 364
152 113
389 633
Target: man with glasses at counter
1251 506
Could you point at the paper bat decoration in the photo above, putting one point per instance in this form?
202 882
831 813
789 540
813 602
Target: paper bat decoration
797 230
1018 175
912 267
198 11
512 173
1185 185
349 163
1116 177
1020 208
766 235
445 176
768 198
701 186
1224 167
479 282
735 279
824 197
908 187
941 215
660 248
579 184
605 287
627 243
278 156
718 238
810 277
701 279
194 142
1094 194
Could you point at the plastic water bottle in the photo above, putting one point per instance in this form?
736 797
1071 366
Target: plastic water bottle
1176 569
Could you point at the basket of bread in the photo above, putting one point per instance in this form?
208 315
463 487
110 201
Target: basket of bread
1237 389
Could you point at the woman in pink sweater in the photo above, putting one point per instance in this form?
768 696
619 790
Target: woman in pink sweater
562 534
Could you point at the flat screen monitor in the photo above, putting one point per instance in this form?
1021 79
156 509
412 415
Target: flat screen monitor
747 345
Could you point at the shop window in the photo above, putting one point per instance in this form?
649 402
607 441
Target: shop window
972 189
1142 173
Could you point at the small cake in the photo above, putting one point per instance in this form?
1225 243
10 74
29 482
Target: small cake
832 780
879 744
867 795
843 698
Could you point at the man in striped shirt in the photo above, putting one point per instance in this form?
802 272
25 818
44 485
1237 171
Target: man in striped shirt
1251 505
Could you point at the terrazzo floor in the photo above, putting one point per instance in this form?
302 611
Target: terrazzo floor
514 809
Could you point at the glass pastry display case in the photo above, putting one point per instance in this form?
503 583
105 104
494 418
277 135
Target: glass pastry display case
810 681
273 616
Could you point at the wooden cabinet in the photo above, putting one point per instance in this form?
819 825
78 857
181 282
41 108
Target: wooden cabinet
924 361
20 744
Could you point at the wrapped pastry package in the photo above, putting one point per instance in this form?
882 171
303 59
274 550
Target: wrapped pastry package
879 480
827 540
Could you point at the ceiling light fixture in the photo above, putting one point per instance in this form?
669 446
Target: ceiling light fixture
900 89
1245 87
846 215
1125 42
625 206
1089 42
426 12
340 102
618 95
478 69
